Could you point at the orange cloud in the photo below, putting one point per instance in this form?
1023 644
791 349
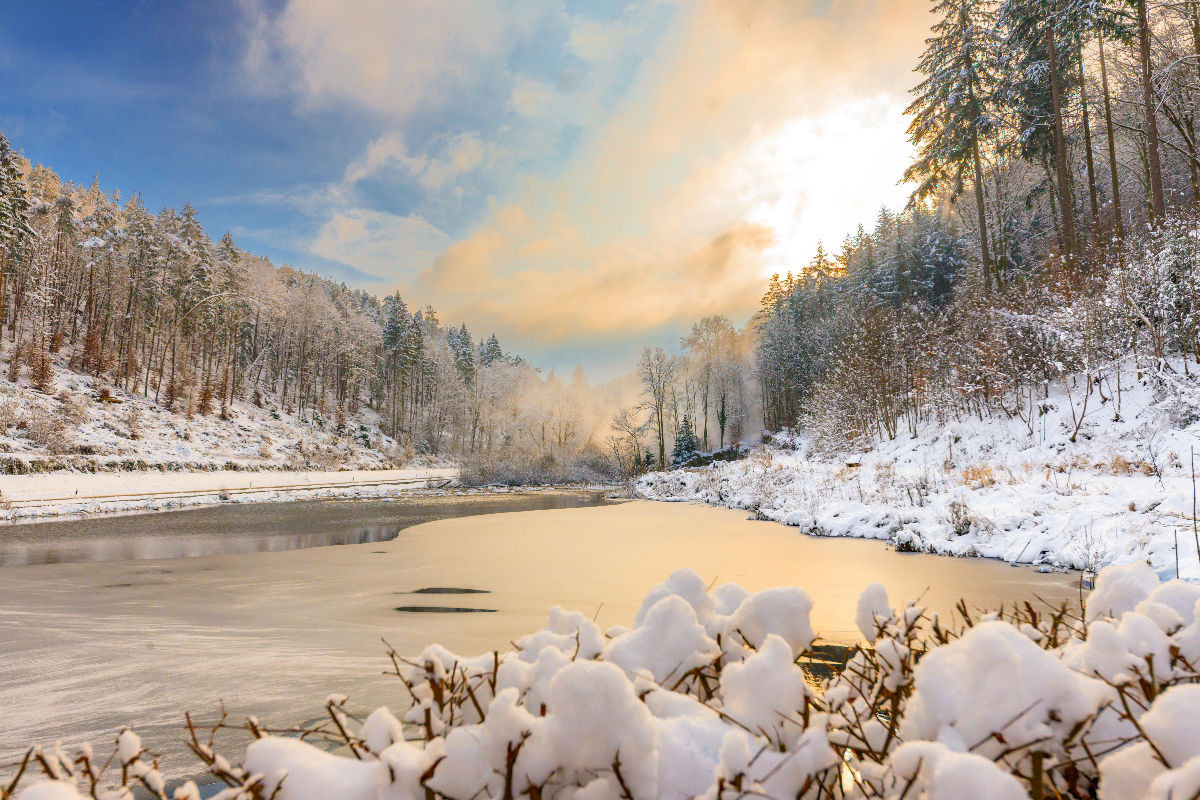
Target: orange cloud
720 165
752 129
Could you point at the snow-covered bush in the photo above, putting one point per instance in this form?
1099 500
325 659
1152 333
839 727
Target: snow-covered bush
707 695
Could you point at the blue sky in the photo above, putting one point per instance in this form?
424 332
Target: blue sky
579 177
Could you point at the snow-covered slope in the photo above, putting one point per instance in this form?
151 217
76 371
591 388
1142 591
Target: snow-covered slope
1077 486
72 428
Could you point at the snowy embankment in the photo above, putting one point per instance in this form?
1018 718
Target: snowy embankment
86 425
28 497
1023 491
706 696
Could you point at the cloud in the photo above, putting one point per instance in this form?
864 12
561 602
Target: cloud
460 155
758 128
596 41
530 96
379 242
709 143
626 288
385 55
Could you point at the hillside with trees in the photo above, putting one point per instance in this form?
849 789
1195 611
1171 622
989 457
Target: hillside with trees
132 339
1049 241
1010 365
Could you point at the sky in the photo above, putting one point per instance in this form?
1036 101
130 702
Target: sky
581 178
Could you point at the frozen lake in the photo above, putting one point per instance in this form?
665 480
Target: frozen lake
117 633
252 528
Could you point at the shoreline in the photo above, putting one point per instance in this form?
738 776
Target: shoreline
44 496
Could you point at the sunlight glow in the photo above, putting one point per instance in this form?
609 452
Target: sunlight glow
817 179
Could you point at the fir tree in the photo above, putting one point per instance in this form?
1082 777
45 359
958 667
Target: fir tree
490 352
952 111
1040 66
685 443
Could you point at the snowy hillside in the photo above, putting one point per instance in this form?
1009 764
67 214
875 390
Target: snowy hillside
74 428
1085 483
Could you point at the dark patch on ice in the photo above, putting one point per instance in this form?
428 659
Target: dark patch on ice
444 610
446 590
118 586
159 571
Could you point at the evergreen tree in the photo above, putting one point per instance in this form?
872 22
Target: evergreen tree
463 348
395 322
685 443
490 352
1043 49
14 212
14 198
952 111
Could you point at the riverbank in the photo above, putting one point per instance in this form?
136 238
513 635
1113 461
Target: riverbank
42 496
1085 484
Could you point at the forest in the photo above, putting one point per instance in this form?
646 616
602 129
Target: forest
1050 239
151 305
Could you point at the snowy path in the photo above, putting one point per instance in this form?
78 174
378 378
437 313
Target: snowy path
54 494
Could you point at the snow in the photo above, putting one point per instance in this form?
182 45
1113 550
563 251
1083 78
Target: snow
873 607
1118 491
44 495
1172 730
937 772
50 790
567 715
307 773
995 680
669 643
70 428
1120 589
129 746
762 692
782 611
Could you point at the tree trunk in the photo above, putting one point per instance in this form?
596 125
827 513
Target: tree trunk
1087 143
1112 144
980 211
1158 204
1066 201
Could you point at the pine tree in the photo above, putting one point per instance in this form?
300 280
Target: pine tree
952 111
491 352
14 211
395 322
685 443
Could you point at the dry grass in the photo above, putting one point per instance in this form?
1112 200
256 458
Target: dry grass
978 477
1119 465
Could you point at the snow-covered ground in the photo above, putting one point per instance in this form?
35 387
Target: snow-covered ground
42 495
703 696
72 428
997 487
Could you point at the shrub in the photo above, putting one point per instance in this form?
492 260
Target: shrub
49 431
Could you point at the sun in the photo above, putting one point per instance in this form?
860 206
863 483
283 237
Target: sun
818 178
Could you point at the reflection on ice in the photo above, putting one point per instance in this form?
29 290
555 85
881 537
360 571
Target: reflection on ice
186 545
